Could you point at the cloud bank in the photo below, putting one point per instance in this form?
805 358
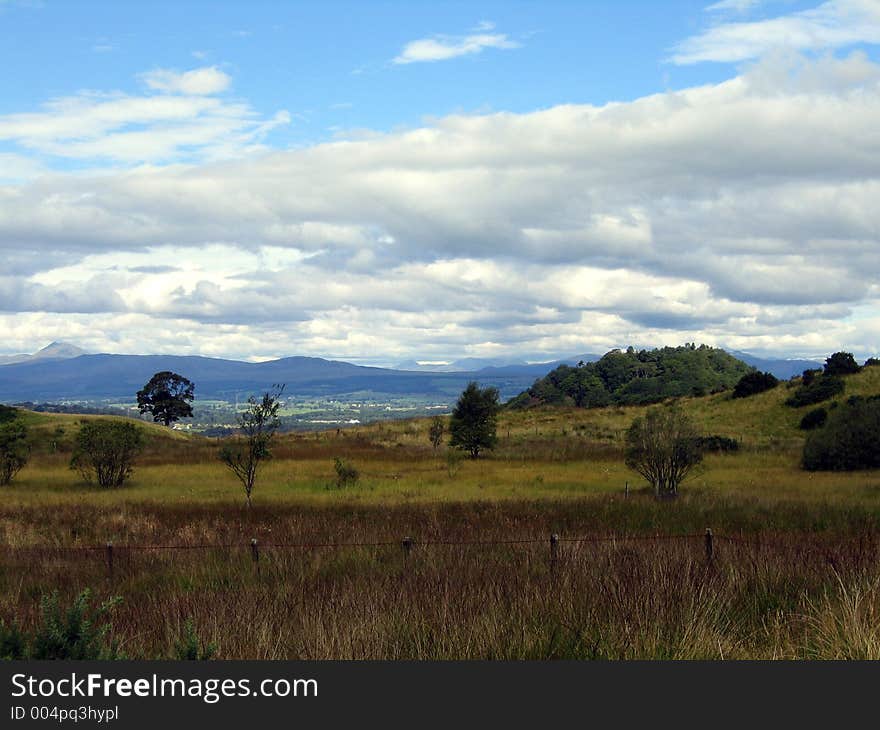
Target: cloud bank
742 214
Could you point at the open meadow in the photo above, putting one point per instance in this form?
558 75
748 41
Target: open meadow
794 570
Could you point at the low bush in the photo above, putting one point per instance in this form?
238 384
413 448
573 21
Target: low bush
819 389
80 631
849 440
718 444
841 363
753 383
813 419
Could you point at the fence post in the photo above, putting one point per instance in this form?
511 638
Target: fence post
110 560
709 546
554 550
407 544
626 490
255 554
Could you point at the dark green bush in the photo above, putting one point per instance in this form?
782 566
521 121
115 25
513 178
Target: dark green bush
871 362
813 419
819 389
105 450
14 450
719 444
189 648
849 440
841 363
753 383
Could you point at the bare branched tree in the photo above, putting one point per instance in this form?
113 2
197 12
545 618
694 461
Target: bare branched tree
257 424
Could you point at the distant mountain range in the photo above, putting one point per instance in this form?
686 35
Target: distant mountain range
63 372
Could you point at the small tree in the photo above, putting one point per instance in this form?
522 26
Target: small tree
841 363
14 450
167 396
435 433
474 420
104 451
663 447
258 424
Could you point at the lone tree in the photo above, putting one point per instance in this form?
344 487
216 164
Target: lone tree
14 450
474 419
435 433
104 451
167 397
258 424
663 447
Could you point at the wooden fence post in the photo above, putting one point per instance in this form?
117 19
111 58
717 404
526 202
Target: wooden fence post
255 554
110 560
554 550
407 544
626 490
709 546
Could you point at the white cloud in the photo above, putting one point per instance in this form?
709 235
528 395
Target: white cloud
742 213
198 82
832 24
737 6
184 122
443 48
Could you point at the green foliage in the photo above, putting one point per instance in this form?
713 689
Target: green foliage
435 433
190 648
7 413
78 632
14 449
258 424
815 418
841 363
104 451
849 440
474 420
167 396
636 377
346 474
718 444
815 390
871 362
754 383
13 643
663 446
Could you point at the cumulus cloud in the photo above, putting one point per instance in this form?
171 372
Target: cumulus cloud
741 213
832 24
443 47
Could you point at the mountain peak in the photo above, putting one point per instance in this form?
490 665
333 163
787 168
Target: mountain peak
59 350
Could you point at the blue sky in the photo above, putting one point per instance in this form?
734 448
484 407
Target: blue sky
381 181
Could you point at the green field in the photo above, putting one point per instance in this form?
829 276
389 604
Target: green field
795 571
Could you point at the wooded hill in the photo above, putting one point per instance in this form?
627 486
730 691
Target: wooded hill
634 377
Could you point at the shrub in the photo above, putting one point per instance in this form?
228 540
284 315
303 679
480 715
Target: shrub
841 363
719 444
753 383
813 419
808 376
346 474
871 362
435 433
79 632
104 451
662 447
817 390
14 450
189 647
849 440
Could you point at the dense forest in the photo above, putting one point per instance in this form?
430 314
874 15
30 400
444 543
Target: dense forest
634 377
